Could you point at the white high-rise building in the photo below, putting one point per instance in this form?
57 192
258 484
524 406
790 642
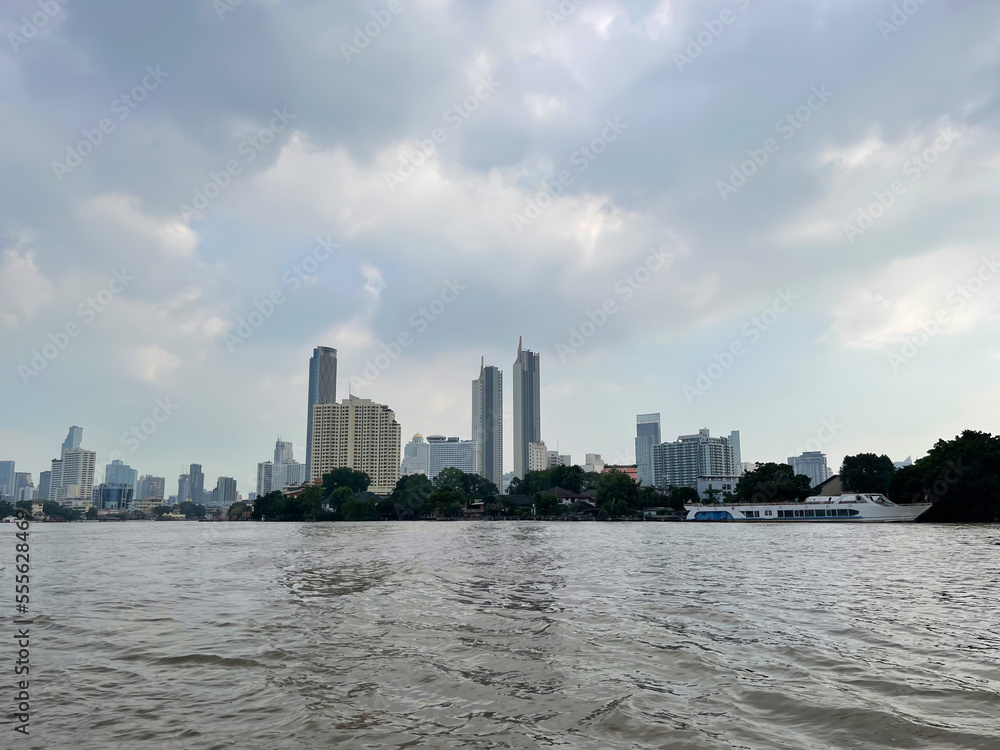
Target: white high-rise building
813 465
358 434
681 463
72 476
450 452
224 494
594 464
559 459
416 457
487 422
538 457
283 472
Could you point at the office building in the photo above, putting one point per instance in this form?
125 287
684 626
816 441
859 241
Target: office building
151 488
813 465
450 452
117 472
559 459
358 434
322 390
72 475
527 407
647 434
114 497
183 488
416 457
24 487
718 489
44 483
487 422
538 457
6 479
284 471
197 484
681 463
224 494
593 464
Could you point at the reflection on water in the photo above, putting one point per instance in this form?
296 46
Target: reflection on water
493 635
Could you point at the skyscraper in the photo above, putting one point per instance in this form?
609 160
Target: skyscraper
647 434
73 439
197 490
487 422
527 407
283 452
118 472
6 479
151 488
450 452
681 463
183 488
72 475
322 390
416 457
224 494
813 465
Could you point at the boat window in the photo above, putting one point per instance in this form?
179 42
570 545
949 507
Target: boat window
855 512
810 513
843 512
821 513
800 514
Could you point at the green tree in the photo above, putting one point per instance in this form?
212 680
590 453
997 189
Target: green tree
236 511
772 483
447 501
960 476
269 507
356 481
6 509
681 496
161 510
338 498
55 510
91 513
867 472
191 510
360 510
410 495
617 493
305 506
547 505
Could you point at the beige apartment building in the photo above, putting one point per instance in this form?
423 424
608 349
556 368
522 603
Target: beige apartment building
358 434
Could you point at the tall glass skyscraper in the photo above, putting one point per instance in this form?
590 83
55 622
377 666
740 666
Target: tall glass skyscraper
322 390
527 407
487 422
647 434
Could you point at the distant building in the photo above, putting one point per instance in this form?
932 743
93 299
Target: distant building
151 488
527 407
284 471
507 479
114 497
117 472
72 474
747 466
197 486
721 487
594 463
631 471
7 476
183 488
813 465
450 452
647 435
559 459
679 464
224 494
358 434
487 422
322 390
24 487
44 483
908 461
416 457
538 457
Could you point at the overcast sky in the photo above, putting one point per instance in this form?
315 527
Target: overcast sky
735 147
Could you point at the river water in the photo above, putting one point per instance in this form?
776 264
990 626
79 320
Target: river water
508 635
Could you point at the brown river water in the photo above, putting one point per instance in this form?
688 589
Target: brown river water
507 635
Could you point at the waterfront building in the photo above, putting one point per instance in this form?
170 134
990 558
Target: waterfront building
7 475
647 435
813 465
72 475
358 434
719 487
118 472
527 407
679 464
450 452
114 497
538 457
416 457
224 494
487 422
151 488
322 390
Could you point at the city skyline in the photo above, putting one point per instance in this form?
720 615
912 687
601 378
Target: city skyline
722 263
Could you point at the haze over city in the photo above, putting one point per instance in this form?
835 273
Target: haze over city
796 241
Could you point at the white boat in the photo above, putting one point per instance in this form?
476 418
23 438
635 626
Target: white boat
850 507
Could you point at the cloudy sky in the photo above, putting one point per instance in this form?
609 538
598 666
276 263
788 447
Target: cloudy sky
781 218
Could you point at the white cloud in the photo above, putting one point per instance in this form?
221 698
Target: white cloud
23 288
149 362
